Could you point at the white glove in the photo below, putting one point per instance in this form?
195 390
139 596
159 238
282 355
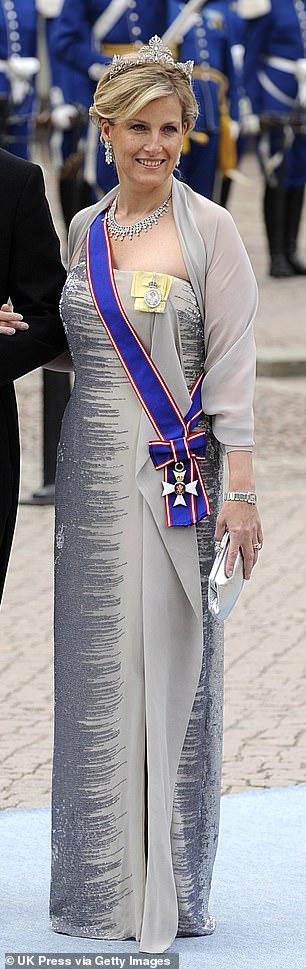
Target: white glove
249 122
49 8
23 68
234 129
96 71
251 125
249 9
20 71
238 56
63 115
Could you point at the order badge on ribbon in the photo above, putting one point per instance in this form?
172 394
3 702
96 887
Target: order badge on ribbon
179 488
183 489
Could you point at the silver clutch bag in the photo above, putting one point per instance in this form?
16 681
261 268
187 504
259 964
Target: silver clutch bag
224 592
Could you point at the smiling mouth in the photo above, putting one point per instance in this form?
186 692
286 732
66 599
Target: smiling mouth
150 164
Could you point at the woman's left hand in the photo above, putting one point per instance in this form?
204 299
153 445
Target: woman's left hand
242 521
10 321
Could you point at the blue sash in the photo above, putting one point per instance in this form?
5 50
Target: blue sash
178 449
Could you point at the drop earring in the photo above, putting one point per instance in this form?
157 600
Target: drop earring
178 158
108 151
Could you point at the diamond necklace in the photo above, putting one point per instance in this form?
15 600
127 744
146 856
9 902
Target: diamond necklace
128 231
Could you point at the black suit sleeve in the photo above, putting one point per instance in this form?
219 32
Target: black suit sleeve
9 475
35 280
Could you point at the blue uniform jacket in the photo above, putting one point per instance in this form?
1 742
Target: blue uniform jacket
18 35
208 43
280 33
75 38
63 76
273 91
68 87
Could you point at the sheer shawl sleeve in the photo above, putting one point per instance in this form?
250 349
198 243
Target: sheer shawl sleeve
230 363
221 273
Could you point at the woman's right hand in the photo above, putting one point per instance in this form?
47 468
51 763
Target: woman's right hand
10 321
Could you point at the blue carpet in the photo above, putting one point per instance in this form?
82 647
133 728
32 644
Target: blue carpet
258 897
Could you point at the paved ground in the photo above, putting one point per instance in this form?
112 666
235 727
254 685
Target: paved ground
265 677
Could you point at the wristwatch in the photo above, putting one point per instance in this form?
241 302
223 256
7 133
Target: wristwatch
248 496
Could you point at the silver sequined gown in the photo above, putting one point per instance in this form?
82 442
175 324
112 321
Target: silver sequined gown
121 682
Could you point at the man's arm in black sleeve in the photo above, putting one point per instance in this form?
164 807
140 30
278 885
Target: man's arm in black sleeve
35 281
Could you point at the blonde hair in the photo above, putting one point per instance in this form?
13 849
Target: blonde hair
119 98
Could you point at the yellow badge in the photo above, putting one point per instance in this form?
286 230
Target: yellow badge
150 291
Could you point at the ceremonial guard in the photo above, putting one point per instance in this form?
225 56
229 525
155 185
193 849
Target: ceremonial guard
68 102
206 37
18 69
275 81
236 30
88 34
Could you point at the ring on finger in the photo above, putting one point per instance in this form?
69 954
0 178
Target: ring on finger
257 546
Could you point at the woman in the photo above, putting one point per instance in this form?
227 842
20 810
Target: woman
138 659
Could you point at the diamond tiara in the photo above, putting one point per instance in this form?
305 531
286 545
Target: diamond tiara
154 52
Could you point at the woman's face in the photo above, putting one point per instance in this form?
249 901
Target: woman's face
146 147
